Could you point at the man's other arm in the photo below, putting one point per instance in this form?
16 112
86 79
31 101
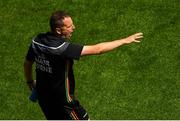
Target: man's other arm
28 73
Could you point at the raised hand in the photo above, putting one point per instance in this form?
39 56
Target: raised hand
133 38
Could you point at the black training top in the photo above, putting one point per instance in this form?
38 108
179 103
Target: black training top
54 60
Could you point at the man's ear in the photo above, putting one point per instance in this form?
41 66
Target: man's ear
58 30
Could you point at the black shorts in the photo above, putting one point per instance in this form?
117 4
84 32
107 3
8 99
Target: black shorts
57 111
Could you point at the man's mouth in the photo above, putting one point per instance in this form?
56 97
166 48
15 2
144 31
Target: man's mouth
69 35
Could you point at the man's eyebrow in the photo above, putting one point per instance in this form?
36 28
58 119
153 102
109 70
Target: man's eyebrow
70 25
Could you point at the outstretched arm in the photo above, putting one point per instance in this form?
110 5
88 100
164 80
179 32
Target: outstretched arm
108 46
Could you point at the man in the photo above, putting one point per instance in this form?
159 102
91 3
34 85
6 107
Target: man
53 54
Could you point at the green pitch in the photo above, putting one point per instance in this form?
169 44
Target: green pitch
138 81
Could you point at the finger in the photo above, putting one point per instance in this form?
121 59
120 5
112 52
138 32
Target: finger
137 41
139 34
139 37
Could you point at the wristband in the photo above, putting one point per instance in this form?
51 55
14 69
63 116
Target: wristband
29 82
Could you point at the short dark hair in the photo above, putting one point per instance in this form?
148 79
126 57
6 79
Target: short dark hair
56 20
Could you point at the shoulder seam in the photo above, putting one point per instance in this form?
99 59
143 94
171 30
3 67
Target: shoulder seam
54 48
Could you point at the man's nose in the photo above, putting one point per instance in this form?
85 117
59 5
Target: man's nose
74 26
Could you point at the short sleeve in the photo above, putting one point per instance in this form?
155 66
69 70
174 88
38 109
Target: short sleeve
30 54
73 51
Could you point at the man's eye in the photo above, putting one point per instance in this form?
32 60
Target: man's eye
69 26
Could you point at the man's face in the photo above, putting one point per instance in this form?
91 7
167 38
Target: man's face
68 27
